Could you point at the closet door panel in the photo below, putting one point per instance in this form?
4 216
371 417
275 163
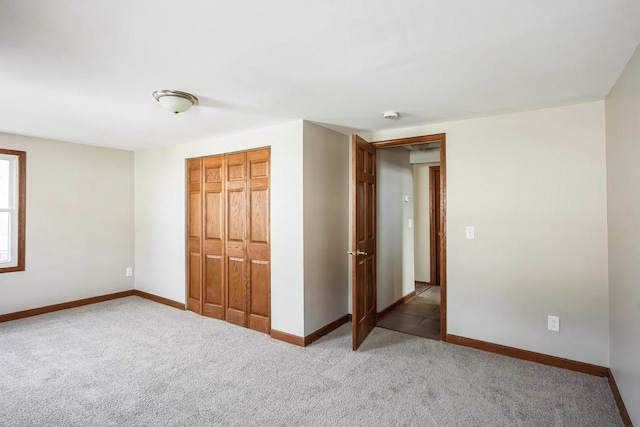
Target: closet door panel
235 238
260 309
236 285
195 281
258 245
214 215
236 227
259 218
213 237
194 235
214 287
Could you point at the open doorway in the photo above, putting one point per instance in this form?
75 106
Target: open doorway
418 313
426 243
368 226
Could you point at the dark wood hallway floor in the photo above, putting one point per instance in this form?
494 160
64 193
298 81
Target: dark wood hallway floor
420 316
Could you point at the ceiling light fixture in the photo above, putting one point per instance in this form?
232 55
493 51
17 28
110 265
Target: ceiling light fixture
391 115
174 100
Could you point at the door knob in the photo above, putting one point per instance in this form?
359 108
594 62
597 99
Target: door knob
357 252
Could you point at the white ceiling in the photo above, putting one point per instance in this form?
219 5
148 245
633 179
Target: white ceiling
83 71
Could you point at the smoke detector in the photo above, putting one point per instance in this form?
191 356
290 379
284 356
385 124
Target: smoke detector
391 115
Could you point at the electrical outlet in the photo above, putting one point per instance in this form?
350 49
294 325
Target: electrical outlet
553 323
128 272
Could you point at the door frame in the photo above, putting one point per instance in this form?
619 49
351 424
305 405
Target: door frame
433 260
442 139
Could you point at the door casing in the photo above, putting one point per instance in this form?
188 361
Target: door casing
442 211
433 225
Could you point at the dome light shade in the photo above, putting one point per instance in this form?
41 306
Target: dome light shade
175 101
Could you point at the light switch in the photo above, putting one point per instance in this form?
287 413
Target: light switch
407 199
410 223
470 232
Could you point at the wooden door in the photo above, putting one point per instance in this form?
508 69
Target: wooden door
237 270
363 252
213 294
194 235
435 227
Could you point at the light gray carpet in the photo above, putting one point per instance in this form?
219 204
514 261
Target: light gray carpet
132 362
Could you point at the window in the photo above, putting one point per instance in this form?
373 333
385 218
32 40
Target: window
13 168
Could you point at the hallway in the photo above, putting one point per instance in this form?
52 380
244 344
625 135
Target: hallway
420 316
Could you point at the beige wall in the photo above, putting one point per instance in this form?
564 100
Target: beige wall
623 190
422 218
160 217
326 226
394 250
79 236
534 186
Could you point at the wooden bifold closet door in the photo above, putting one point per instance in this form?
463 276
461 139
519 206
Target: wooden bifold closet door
229 255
